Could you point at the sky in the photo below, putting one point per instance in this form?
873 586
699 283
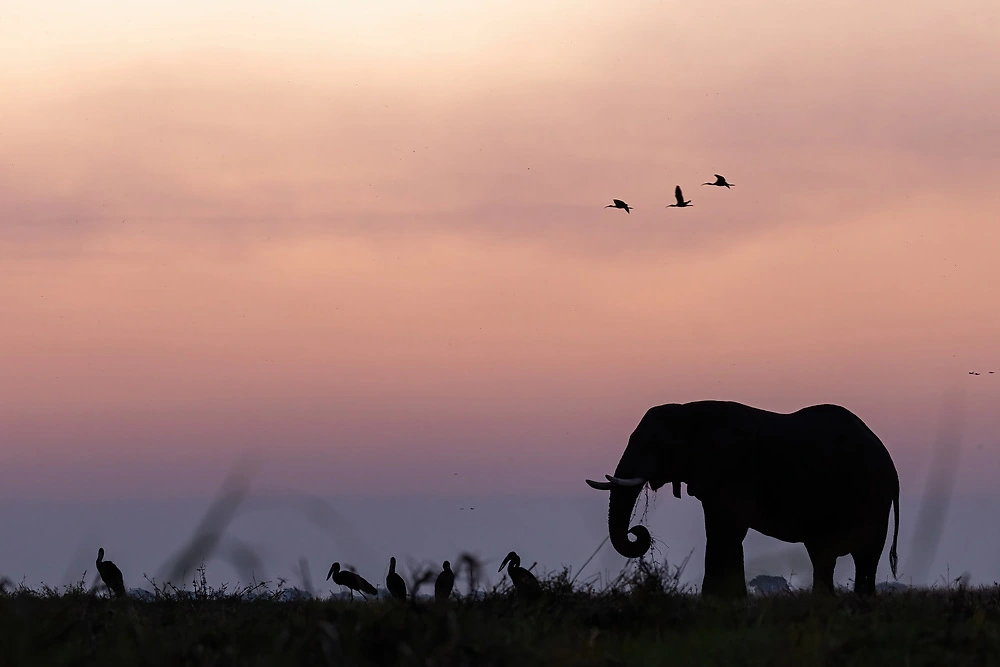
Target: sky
365 244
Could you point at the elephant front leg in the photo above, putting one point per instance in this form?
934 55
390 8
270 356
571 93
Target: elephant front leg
724 573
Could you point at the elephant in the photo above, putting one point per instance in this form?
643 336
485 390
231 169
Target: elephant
818 476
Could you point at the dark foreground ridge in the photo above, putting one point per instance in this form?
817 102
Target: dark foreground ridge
645 620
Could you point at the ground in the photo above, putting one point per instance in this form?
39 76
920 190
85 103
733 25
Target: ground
646 620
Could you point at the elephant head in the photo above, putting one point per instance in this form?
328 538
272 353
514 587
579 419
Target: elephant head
652 458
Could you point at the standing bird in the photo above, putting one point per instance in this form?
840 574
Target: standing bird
444 584
618 203
353 581
525 582
394 582
680 199
110 574
720 180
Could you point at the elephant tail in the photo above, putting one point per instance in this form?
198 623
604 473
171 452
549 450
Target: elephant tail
893 556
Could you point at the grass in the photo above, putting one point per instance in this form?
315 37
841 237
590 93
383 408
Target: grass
645 618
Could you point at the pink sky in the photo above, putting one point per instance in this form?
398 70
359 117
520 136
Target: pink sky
369 246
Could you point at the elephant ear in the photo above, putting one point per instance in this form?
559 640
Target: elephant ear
677 489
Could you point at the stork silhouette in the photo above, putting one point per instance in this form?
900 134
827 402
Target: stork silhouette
618 203
680 199
720 180
524 582
394 583
110 574
444 583
352 580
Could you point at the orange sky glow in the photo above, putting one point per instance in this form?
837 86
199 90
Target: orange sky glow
368 245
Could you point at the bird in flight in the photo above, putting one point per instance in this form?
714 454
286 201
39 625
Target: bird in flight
618 203
720 180
680 199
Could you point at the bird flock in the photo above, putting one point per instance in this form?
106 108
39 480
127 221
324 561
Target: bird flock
525 583
680 202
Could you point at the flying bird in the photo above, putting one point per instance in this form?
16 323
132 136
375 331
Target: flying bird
110 574
618 203
720 180
444 583
680 199
394 583
973 373
524 582
353 581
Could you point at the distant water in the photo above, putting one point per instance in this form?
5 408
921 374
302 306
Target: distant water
55 542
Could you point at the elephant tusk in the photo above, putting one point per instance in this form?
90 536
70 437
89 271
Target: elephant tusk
601 486
633 481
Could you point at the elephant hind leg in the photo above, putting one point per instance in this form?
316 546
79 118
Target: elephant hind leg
865 565
823 560
866 557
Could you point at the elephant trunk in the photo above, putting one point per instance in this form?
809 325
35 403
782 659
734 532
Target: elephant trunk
620 508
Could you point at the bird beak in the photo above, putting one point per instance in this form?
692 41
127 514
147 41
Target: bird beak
504 564
329 574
